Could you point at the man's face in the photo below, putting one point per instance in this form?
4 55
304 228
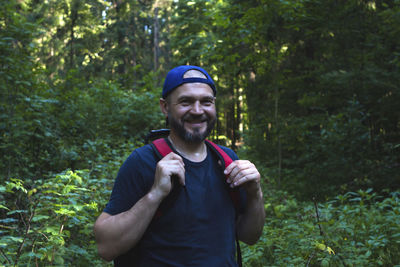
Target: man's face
191 111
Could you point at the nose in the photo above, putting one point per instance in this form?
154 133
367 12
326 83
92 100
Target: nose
196 108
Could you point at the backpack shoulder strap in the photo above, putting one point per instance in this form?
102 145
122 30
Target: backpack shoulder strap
226 161
233 193
161 147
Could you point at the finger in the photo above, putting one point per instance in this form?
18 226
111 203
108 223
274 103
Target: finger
171 159
230 167
252 177
247 171
176 170
237 167
177 167
173 156
240 174
168 167
228 170
181 176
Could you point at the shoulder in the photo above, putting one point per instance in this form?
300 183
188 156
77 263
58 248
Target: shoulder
134 179
144 153
141 157
228 151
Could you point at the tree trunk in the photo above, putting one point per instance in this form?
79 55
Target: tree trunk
120 35
156 37
278 135
233 115
74 17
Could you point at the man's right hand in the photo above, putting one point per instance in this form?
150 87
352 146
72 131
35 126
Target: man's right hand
169 166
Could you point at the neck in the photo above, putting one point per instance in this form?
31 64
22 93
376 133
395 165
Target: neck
195 152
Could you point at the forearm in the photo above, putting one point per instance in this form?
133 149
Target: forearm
250 224
117 234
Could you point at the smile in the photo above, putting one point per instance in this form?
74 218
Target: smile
195 123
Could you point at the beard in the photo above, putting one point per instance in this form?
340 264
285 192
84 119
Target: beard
196 136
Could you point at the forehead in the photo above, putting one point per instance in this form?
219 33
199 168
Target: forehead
196 90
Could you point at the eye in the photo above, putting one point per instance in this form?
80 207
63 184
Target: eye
208 102
184 102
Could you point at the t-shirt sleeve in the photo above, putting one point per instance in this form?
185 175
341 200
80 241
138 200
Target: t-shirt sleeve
129 186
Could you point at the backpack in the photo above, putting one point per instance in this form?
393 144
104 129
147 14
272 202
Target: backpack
161 148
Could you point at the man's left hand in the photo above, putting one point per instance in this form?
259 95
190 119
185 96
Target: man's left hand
243 173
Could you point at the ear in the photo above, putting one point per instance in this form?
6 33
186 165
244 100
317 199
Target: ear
164 106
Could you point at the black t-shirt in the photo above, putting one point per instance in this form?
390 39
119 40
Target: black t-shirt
198 229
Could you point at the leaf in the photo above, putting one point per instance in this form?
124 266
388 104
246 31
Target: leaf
4 207
330 251
8 220
320 246
15 239
16 211
38 218
64 211
52 230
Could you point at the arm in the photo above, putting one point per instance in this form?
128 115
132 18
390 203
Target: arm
250 223
116 234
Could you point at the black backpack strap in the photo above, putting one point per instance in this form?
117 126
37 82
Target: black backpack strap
153 134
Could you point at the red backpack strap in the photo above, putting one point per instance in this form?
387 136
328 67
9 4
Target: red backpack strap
221 153
233 193
227 160
161 147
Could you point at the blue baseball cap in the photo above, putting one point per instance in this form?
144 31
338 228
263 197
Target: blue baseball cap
175 78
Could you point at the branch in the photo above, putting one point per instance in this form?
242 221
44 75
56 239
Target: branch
60 232
28 227
310 258
5 256
20 214
7 227
318 221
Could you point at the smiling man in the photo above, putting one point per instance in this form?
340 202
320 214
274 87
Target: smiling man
200 228
193 105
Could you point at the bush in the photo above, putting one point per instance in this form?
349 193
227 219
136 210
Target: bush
354 229
49 221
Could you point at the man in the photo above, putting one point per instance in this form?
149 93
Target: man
199 228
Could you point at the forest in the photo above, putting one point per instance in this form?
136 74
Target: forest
307 90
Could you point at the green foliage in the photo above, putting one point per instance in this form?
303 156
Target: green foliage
16 81
192 36
307 89
319 91
48 222
72 129
355 229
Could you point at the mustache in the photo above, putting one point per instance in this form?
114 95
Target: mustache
191 117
